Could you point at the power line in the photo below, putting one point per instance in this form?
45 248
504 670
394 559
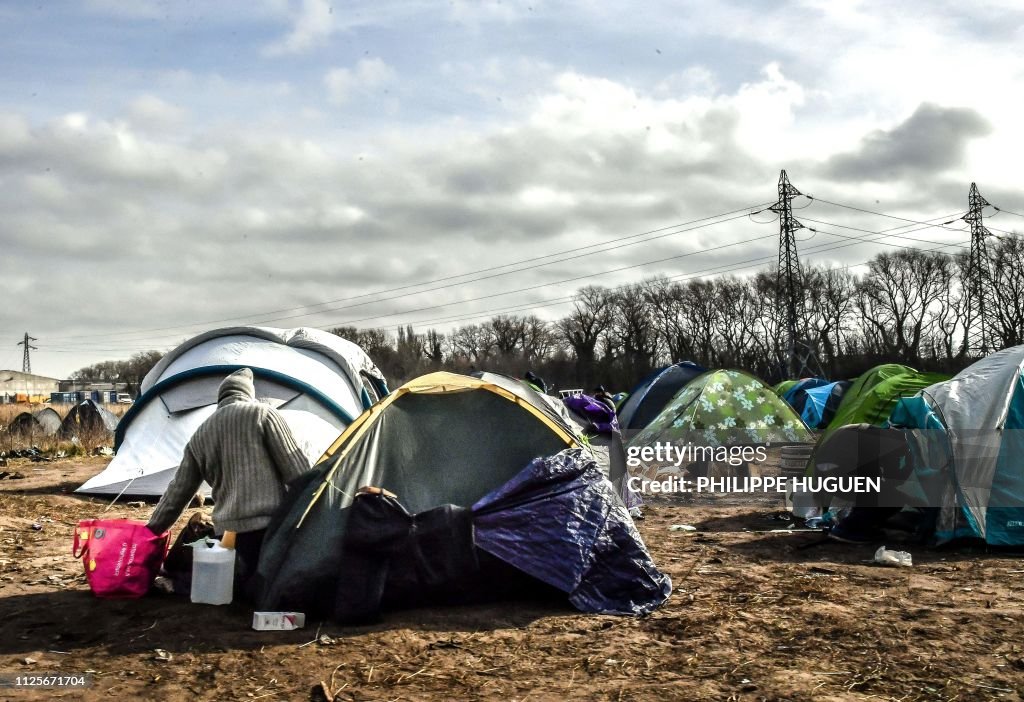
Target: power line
905 219
658 231
821 248
557 282
844 226
520 270
879 214
1000 209
534 287
463 275
731 268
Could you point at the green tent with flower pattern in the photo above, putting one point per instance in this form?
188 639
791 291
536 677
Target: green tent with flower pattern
725 408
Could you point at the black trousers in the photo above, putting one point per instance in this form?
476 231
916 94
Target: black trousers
247 556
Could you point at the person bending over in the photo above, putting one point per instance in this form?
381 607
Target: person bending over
247 454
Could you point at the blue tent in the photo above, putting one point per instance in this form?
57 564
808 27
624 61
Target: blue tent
966 440
651 394
796 395
821 402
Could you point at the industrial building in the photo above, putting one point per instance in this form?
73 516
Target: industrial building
16 386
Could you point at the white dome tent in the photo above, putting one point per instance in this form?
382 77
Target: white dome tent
317 380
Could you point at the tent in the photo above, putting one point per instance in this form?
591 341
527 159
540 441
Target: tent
783 387
477 482
855 451
317 380
871 397
817 403
87 419
724 408
966 437
44 422
652 393
794 392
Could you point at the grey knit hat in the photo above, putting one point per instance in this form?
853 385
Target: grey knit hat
238 385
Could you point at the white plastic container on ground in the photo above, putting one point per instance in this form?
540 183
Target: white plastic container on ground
213 573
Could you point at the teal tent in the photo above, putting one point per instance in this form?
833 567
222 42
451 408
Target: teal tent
966 438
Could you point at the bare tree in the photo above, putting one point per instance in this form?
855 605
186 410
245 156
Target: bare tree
1008 290
701 312
668 309
434 344
949 316
634 330
831 310
130 372
539 340
896 297
588 322
506 333
471 342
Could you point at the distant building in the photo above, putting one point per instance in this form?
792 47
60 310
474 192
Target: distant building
16 386
89 385
106 392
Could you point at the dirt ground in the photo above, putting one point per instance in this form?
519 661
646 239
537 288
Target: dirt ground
757 614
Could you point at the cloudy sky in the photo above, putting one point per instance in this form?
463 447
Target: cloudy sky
172 167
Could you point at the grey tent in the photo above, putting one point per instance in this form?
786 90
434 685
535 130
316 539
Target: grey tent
44 422
88 419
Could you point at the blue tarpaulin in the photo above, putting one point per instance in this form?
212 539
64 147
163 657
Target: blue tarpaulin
560 521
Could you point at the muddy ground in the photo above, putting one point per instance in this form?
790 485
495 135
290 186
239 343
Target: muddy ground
757 614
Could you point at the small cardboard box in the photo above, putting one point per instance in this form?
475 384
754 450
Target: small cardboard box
278 621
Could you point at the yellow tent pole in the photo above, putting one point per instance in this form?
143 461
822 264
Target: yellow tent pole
433 383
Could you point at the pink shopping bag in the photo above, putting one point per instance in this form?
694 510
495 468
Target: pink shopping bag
121 556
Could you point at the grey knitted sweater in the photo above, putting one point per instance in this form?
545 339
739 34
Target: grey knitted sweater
247 454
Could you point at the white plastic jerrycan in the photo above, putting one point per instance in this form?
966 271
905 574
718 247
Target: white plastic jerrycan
213 572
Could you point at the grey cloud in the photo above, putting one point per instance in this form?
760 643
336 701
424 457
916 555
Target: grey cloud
930 141
210 226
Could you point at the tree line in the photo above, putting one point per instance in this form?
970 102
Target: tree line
910 306
131 372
